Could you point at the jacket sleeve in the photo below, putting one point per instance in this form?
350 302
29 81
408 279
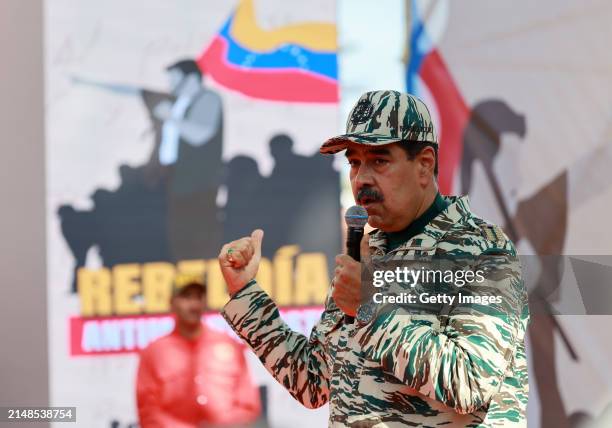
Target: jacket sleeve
147 393
460 360
295 361
247 406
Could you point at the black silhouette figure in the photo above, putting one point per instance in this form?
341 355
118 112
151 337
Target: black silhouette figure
245 207
299 203
541 219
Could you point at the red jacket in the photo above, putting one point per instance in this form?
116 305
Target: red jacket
186 383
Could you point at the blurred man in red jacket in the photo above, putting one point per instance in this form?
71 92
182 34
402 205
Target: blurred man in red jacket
195 376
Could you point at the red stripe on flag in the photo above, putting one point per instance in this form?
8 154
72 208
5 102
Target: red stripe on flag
292 85
454 115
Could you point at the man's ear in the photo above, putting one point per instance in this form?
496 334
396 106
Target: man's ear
426 160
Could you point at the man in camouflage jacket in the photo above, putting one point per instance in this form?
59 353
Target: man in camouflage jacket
392 367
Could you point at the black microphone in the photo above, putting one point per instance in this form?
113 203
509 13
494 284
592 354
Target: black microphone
356 218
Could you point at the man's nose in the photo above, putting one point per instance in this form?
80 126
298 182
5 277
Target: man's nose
363 177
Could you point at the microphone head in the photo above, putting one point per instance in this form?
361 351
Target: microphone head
356 217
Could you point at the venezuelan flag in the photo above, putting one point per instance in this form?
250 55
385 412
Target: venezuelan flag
294 63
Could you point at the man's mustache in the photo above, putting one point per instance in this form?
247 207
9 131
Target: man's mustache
369 193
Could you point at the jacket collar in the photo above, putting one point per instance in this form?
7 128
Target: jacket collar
426 241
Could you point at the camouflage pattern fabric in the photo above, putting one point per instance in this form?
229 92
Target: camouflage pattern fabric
450 370
384 117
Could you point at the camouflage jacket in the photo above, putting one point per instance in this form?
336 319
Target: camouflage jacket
448 370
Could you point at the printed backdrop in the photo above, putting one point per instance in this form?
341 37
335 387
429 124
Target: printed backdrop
520 93
135 198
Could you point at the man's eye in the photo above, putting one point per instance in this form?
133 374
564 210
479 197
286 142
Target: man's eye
353 162
380 161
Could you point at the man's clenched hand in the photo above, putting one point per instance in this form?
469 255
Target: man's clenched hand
239 261
347 279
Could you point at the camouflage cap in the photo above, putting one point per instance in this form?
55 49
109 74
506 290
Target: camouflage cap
384 117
